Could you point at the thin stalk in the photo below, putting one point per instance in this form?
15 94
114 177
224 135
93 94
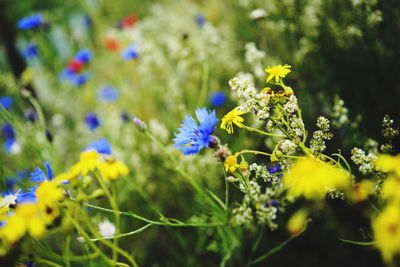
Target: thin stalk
250 129
255 152
137 231
67 251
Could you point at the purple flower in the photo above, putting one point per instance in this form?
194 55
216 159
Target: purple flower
8 131
30 22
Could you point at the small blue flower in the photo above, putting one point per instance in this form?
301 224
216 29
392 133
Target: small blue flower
30 115
29 196
6 102
102 146
38 175
217 99
75 79
84 56
200 19
275 169
124 117
30 51
92 121
87 21
30 22
192 137
107 94
8 131
12 146
130 52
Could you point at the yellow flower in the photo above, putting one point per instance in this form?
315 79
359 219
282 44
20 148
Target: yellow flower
360 191
112 169
67 176
88 161
277 72
49 194
386 229
26 218
389 163
231 163
232 116
297 222
391 188
313 179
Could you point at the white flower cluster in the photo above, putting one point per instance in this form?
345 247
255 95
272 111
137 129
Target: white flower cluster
297 126
288 147
317 144
264 212
365 161
339 113
255 58
291 105
252 100
261 172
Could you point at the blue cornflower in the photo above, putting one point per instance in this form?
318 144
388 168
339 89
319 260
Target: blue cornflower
12 146
6 102
130 52
102 146
193 137
84 56
200 19
87 21
92 121
29 196
30 22
275 169
8 131
76 79
107 94
38 175
217 99
30 51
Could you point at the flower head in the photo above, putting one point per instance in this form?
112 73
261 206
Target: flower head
89 161
102 146
30 51
106 229
231 163
218 99
111 44
192 137
107 94
92 121
386 229
277 72
30 22
232 116
112 169
83 56
313 179
131 52
6 102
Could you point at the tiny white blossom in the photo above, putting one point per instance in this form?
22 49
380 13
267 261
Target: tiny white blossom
106 229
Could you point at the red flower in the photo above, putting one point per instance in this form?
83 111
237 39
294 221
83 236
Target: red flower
111 44
75 65
129 21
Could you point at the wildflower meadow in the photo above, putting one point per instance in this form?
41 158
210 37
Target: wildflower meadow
199 133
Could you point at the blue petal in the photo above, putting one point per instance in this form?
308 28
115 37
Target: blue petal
38 175
102 146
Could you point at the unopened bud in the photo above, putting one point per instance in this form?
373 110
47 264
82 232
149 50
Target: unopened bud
231 179
140 125
97 193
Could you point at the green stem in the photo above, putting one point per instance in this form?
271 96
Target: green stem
67 251
137 231
358 242
50 263
255 152
117 221
204 84
250 129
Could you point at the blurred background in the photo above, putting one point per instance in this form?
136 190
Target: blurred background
159 60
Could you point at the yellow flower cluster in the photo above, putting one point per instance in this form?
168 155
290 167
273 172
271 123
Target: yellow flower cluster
32 218
313 179
90 160
386 226
231 163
